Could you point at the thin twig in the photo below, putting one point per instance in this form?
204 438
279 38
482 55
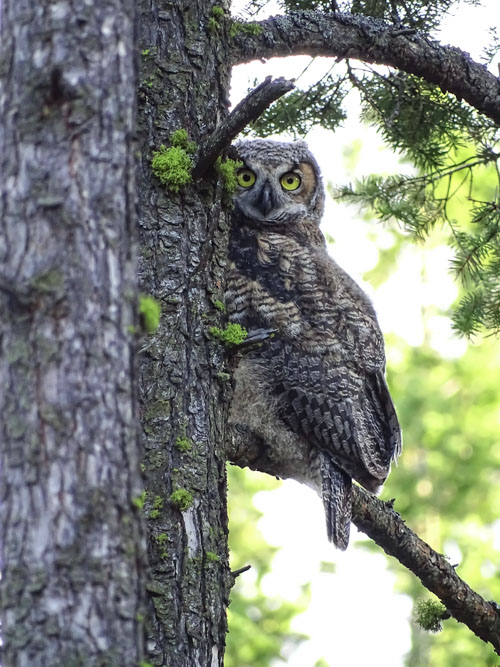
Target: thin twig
248 110
236 573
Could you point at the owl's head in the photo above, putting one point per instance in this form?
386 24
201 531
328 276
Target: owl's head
279 182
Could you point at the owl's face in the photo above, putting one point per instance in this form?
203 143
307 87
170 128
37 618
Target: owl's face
279 183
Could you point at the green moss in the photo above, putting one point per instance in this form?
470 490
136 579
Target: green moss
181 499
227 170
155 459
139 500
428 615
154 513
214 22
49 281
233 334
183 444
172 166
145 52
218 12
212 557
213 25
149 310
223 377
244 28
180 139
158 409
161 540
219 305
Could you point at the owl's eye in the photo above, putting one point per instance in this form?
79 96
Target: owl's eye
290 181
246 178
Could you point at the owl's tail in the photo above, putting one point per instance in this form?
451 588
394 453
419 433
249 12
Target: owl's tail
337 500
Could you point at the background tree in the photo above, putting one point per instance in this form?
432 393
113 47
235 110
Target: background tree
72 550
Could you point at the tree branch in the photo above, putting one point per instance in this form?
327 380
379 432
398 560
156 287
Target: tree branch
373 41
248 110
386 527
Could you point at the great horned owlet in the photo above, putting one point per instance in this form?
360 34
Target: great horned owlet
318 380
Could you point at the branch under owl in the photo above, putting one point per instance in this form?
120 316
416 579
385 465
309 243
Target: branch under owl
343 35
248 110
385 526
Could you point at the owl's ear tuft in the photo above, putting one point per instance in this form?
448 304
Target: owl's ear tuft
300 143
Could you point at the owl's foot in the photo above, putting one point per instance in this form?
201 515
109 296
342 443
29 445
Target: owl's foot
255 337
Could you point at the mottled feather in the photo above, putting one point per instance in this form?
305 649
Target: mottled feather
322 374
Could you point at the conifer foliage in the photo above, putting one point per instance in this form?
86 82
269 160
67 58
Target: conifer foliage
446 140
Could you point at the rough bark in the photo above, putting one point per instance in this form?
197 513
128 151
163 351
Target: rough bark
373 41
385 526
184 84
380 522
70 590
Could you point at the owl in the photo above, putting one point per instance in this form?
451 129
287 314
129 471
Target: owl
317 383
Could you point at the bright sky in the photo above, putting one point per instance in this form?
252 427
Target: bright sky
355 617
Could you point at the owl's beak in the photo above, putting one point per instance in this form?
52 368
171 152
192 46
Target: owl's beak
265 200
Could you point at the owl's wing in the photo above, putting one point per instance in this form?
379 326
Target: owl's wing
341 407
347 412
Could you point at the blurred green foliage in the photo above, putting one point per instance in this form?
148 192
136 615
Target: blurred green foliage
447 482
456 185
259 626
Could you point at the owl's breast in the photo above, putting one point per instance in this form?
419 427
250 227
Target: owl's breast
260 288
257 260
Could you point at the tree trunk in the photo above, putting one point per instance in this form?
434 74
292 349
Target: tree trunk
184 85
71 541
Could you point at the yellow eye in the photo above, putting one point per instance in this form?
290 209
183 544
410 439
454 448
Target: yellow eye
290 181
246 178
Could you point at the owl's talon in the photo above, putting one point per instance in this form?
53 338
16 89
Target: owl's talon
257 336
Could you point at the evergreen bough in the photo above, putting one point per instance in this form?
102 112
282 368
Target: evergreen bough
447 141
